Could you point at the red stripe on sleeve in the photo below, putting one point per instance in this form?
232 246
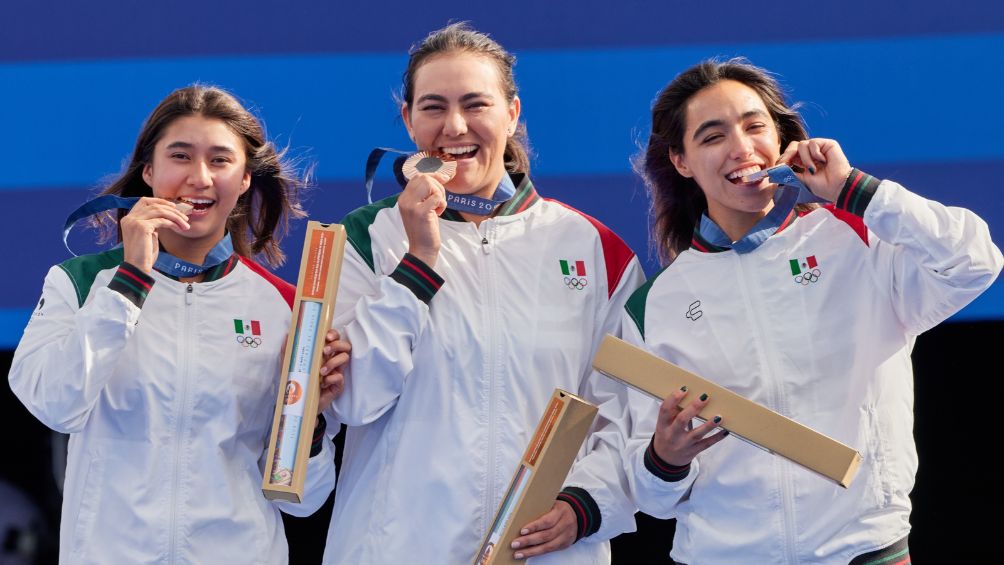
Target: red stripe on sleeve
286 290
416 269
142 282
855 222
850 191
616 254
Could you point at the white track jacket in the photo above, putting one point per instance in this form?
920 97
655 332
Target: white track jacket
818 324
446 385
168 407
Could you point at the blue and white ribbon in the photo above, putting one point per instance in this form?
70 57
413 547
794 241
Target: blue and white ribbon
165 263
791 192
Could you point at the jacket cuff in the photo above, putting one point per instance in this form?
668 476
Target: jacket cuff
131 283
317 443
859 188
587 512
663 470
418 277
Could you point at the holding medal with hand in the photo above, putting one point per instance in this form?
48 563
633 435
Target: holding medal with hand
423 200
140 352
463 123
453 296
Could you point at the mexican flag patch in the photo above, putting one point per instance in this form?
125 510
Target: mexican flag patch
572 267
799 266
249 327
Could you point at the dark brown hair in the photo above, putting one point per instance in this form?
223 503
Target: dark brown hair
261 217
461 38
677 201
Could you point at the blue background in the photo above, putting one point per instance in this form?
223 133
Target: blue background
912 93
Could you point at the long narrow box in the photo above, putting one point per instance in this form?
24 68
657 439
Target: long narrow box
748 420
540 475
296 404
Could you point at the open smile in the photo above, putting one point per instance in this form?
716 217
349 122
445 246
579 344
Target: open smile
739 176
199 205
461 152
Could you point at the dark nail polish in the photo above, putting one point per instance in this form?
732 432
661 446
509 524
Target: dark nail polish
717 419
704 397
683 388
812 170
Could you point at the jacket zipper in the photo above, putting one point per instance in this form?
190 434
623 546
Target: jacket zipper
489 285
762 327
180 426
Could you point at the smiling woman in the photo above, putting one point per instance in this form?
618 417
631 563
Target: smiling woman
200 144
811 311
742 105
460 110
463 323
730 135
197 163
124 350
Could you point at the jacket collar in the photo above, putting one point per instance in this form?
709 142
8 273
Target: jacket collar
217 272
709 238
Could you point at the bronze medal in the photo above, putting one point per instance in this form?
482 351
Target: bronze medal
429 163
184 207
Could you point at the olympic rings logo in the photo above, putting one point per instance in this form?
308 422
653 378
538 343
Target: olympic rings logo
249 341
576 282
809 277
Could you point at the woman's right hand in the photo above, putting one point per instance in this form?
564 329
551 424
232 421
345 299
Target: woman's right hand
139 230
421 203
674 442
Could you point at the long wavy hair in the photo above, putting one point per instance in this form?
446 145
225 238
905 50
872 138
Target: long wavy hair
262 214
677 201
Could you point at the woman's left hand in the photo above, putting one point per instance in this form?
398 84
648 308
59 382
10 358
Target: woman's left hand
553 531
332 377
825 166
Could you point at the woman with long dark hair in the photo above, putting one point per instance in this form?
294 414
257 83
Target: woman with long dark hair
160 357
808 309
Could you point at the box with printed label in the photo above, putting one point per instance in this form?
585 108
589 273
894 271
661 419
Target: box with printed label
296 404
538 479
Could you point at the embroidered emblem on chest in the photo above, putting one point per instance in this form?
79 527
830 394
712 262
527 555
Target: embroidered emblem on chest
805 270
574 272
694 311
248 332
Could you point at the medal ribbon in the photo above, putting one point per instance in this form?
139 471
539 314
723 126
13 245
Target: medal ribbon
791 192
165 263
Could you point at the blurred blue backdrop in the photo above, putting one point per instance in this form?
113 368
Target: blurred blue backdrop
912 93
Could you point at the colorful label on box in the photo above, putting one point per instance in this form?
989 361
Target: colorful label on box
516 488
544 429
315 274
300 361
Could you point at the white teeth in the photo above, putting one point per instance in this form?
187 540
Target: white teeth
196 200
459 150
743 172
